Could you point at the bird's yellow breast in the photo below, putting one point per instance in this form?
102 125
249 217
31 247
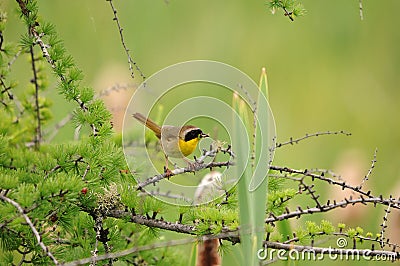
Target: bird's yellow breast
188 147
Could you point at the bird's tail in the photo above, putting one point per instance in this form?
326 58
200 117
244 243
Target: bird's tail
148 123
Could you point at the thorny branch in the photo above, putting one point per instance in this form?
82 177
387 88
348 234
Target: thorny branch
131 62
328 207
369 171
383 225
198 165
292 141
232 235
321 177
190 229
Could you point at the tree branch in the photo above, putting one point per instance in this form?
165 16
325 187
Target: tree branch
143 220
292 141
369 170
197 166
171 243
328 207
120 29
29 222
320 177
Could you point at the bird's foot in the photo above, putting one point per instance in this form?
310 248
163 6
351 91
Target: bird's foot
168 173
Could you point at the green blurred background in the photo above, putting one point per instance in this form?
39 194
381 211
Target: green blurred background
327 70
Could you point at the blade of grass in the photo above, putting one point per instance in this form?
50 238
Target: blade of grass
253 183
245 216
258 187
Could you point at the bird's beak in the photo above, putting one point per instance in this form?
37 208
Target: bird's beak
204 135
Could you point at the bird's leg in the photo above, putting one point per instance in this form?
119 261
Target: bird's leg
168 173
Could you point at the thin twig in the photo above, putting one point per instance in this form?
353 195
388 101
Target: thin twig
11 62
1 41
369 170
329 207
115 88
143 220
383 225
313 176
131 62
288 14
197 166
29 222
167 194
177 171
58 126
326 172
292 141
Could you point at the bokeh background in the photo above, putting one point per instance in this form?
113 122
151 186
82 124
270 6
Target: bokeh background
327 70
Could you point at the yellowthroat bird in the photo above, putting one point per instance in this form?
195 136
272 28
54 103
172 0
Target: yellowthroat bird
176 142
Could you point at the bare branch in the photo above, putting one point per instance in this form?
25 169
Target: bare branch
319 177
326 172
167 194
9 64
383 225
198 165
115 88
143 220
131 62
330 206
58 126
369 171
292 141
